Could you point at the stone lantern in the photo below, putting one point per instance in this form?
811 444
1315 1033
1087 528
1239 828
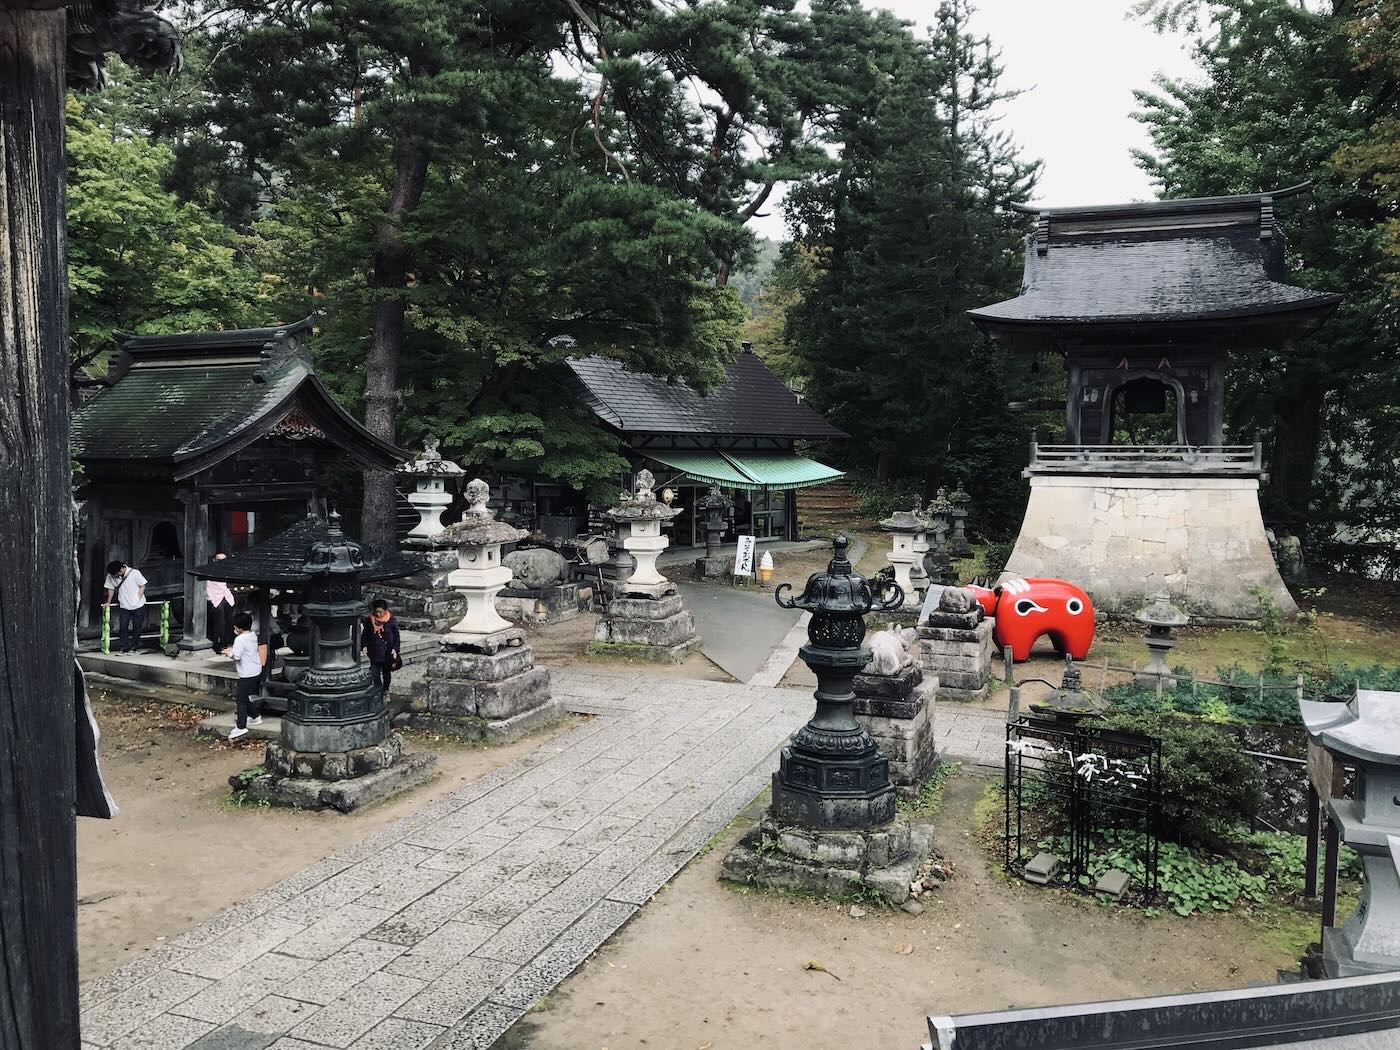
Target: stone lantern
937 563
336 748
484 684
426 600
479 574
832 826
1159 616
958 547
903 526
644 612
1071 701
1364 733
715 506
918 575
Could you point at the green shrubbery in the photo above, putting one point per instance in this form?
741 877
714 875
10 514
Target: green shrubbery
1208 787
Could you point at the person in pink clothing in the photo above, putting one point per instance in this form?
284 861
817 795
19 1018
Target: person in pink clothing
220 611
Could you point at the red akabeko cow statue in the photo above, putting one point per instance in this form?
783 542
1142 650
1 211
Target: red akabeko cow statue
1027 609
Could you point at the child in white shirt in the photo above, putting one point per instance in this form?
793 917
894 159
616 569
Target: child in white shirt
247 661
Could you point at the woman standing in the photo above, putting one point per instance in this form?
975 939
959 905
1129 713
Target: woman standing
379 642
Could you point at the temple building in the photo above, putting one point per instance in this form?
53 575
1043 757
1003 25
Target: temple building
1144 303
199 443
748 436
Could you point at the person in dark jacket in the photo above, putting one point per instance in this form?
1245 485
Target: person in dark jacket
379 642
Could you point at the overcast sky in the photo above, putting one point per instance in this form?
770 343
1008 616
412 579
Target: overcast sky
1077 63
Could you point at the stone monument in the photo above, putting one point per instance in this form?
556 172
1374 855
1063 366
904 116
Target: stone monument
956 644
938 564
645 617
715 506
1364 733
540 589
337 749
894 704
1159 617
958 501
425 601
484 684
833 826
903 526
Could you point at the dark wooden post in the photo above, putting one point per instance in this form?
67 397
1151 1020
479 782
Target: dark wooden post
195 616
1329 876
38 851
1310 863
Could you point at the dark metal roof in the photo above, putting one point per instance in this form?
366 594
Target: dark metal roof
281 559
1161 262
192 400
751 402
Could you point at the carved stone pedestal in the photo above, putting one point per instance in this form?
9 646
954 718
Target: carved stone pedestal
897 711
486 690
425 601
339 780
660 629
544 605
959 649
839 863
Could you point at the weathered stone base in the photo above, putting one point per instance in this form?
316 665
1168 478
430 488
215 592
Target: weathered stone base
491 731
961 657
622 589
656 654
718 568
428 609
333 765
1125 539
496 696
661 623
544 605
347 794
832 863
901 726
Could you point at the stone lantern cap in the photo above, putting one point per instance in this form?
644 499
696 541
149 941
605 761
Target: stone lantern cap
939 506
430 464
479 527
714 500
1071 699
641 503
1160 612
904 521
959 497
1366 728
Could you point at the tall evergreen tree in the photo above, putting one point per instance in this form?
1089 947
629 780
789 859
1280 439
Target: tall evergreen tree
911 230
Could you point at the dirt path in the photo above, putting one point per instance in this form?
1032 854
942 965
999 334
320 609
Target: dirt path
706 966
177 853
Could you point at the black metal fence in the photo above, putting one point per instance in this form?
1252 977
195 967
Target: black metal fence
1082 782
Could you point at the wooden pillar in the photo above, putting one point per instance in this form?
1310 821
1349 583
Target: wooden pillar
195 618
1314 830
38 855
92 568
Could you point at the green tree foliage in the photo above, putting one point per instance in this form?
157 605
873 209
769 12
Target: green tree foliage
139 260
910 230
1282 100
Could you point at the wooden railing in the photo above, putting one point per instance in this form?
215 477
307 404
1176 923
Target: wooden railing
1147 459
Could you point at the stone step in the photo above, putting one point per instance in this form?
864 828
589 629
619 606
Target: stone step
221 725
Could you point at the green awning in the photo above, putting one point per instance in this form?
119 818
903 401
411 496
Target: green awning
776 471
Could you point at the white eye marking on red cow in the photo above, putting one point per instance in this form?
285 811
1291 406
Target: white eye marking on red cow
1074 606
1015 585
1026 606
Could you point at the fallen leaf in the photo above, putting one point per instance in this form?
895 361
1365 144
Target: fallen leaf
904 949
857 911
705 1046
812 964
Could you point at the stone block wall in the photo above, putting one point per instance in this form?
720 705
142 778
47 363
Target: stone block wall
1124 539
903 731
960 658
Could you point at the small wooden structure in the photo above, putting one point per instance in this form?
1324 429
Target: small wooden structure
193 435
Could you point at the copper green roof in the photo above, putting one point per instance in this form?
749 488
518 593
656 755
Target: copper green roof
748 470
189 401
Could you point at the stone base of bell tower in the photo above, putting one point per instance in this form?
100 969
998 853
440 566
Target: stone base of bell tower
1125 539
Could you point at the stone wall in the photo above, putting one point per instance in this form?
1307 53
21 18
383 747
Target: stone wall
960 659
1124 539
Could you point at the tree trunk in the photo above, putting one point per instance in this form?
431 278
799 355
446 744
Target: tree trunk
1297 433
392 259
38 862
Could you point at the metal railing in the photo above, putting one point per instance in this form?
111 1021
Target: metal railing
1147 459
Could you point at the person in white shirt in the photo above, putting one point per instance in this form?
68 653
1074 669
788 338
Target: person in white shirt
220 610
129 587
248 662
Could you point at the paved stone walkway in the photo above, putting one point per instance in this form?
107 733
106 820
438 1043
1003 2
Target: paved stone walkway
441 930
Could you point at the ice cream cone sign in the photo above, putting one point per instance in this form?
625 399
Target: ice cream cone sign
765 569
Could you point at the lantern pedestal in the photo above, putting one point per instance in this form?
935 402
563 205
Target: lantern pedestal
832 826
341 780
897 711
956 645
903 527
426 601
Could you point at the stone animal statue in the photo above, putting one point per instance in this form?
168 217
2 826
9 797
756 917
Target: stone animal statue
536 567
1027 609
889 651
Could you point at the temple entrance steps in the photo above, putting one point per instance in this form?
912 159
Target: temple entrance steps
824 508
